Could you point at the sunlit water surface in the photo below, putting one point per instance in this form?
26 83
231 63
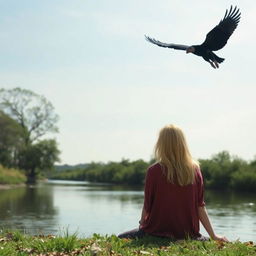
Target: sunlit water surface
87 208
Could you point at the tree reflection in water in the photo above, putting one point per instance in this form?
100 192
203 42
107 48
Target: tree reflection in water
29 209
232 203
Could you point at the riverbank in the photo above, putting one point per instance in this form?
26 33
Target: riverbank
11 177
9 186
15 243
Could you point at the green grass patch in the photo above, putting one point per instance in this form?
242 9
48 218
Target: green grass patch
18 244
11 176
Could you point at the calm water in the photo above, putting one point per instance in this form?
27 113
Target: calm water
88 208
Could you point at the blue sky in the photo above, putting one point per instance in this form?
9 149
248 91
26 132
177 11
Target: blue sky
113 90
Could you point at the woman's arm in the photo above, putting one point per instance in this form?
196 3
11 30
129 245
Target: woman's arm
204 218
149 192
143 216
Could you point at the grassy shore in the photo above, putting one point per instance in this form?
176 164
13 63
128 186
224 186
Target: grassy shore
15 243
11 176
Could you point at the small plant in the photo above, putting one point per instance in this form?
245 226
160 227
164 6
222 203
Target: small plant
66 243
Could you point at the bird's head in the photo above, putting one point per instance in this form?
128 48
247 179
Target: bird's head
190 49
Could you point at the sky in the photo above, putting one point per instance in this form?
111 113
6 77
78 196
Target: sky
113 91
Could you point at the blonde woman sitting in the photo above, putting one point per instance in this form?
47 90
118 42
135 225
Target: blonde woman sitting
174 193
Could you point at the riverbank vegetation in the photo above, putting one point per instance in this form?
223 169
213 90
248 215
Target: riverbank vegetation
11 176
222 171
15 243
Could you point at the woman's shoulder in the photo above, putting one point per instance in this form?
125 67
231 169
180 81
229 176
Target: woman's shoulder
197 169
155 168
198 173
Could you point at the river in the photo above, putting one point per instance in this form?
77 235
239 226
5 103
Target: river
86 208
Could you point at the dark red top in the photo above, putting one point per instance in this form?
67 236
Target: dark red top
172 209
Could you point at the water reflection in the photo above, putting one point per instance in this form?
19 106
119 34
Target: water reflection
231 203
103 192
27 208
106 209
233 214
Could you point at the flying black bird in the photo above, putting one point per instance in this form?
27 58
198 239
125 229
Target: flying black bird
215 39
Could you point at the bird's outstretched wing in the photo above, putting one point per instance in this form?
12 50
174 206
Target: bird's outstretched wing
219 35
173 46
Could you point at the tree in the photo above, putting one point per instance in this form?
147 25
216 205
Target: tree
10 140
33 112
37 157
35 116
222 158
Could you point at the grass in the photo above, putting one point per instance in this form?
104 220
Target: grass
11 176
17 244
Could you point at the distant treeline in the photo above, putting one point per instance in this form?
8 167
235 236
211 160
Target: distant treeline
124 172
222 171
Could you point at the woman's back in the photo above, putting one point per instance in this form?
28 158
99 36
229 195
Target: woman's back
174 194
173 209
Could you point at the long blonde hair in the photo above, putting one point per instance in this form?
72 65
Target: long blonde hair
172 152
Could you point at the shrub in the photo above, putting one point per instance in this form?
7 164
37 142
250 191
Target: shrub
244 180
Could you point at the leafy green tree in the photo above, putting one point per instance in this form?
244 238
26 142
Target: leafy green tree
220 169
36 118
33 112
39 157
244 180
253 163
10 140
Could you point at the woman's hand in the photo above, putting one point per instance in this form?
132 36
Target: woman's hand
204 218
220 238
140 224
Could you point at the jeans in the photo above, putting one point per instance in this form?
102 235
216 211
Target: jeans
134 233
139 233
